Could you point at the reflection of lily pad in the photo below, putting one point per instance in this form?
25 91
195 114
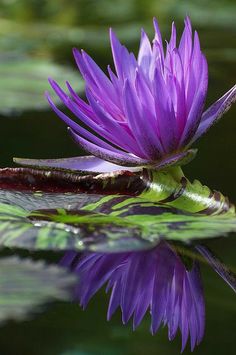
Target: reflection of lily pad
24 81
25 284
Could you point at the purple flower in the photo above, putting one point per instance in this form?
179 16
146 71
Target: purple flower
150 110
154 280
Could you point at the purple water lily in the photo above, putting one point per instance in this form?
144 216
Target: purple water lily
154 280
150 111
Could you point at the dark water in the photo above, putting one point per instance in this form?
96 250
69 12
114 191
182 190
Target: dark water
63 328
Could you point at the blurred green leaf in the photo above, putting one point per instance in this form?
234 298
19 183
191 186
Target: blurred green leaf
212 13
43 38
24 81
26 284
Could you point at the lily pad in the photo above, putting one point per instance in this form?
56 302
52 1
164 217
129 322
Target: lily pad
54 221
170 187
24 81
25 285
107 212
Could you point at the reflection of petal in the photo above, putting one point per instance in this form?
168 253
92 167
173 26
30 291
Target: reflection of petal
228 276
155 279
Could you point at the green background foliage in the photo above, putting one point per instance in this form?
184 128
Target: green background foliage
45 31
25 285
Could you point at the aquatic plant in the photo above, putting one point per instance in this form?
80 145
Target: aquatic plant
137 123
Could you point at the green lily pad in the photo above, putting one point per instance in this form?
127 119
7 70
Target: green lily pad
25 285
55 221
107 212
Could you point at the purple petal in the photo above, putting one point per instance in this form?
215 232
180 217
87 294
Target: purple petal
104 87
125 62
165 113
145 53
158 38
101 80
83 67
181 158
215 112
192 79
172 43
195 112
84 163
100 272
195 283
163 277
121 136
140 124
97 81
85 108
113 134
116 83
184 316
83 132
68 258
130 279
115 300
123 159
185 46
116 48
144 288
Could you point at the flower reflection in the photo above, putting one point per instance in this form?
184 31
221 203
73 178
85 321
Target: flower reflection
154 280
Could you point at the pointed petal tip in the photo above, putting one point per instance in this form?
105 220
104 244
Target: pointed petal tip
215 112
70 131
152 331
77 55
187 20
51 80
157 29
143 33
53 83
46 94
85 54
18 160
49 99
155 22
75 50
112 34
114 41
68 84
109 317
196 35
